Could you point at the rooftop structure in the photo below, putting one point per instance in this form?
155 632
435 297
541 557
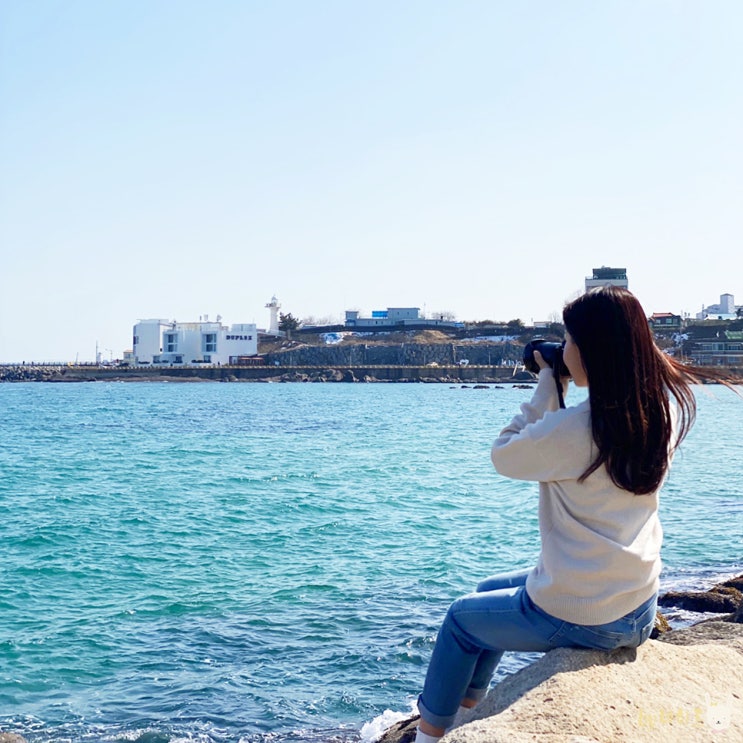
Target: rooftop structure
606 276
394 317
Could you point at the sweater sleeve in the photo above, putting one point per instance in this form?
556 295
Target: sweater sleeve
543 400
543 443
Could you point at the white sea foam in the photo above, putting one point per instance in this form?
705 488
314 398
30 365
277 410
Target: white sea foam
373 731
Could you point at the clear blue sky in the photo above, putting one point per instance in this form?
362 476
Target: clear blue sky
173 158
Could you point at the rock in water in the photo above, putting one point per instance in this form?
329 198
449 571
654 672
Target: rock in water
401 732
723 597
718 599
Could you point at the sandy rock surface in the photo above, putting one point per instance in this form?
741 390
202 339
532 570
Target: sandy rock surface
661 692
687 689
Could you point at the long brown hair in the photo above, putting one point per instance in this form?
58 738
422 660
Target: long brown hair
630 383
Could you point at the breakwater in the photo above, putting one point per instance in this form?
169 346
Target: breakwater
266 373
486 361
475 362
452 373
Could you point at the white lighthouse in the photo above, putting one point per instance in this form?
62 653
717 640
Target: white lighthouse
274 306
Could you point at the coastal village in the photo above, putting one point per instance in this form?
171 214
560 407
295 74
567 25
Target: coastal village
712 337
393 344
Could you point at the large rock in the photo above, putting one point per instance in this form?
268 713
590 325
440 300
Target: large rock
663 691
721 598
717 599
736 582
706 633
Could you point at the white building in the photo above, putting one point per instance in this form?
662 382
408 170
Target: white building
164 342
394 317
726 310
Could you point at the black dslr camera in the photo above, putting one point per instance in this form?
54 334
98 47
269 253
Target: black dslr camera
551 353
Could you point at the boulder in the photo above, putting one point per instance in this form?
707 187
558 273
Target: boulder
401 732
707 633
718 600
683 689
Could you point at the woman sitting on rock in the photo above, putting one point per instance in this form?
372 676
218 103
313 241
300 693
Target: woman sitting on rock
599 465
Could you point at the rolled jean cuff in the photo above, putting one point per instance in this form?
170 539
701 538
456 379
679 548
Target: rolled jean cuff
476 695
438 721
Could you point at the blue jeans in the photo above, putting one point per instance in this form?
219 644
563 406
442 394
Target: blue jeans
479 627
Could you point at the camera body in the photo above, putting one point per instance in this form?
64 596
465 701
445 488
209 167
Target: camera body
551 353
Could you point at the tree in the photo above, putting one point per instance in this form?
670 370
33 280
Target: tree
288 323
313 321
515 326
557 329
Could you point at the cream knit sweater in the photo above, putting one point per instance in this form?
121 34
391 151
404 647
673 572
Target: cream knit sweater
600 556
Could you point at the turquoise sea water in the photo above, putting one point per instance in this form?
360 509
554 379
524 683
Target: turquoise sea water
269 562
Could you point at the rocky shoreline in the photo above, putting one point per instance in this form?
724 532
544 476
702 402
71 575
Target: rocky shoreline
407 356
16 373
683 684
484 375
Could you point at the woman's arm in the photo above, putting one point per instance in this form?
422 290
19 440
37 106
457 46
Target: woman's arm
542 446
543 400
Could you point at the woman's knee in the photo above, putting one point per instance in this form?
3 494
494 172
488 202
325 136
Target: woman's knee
451 613
503 580
493 583
453 625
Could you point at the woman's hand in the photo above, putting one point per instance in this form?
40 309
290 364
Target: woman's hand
541 363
